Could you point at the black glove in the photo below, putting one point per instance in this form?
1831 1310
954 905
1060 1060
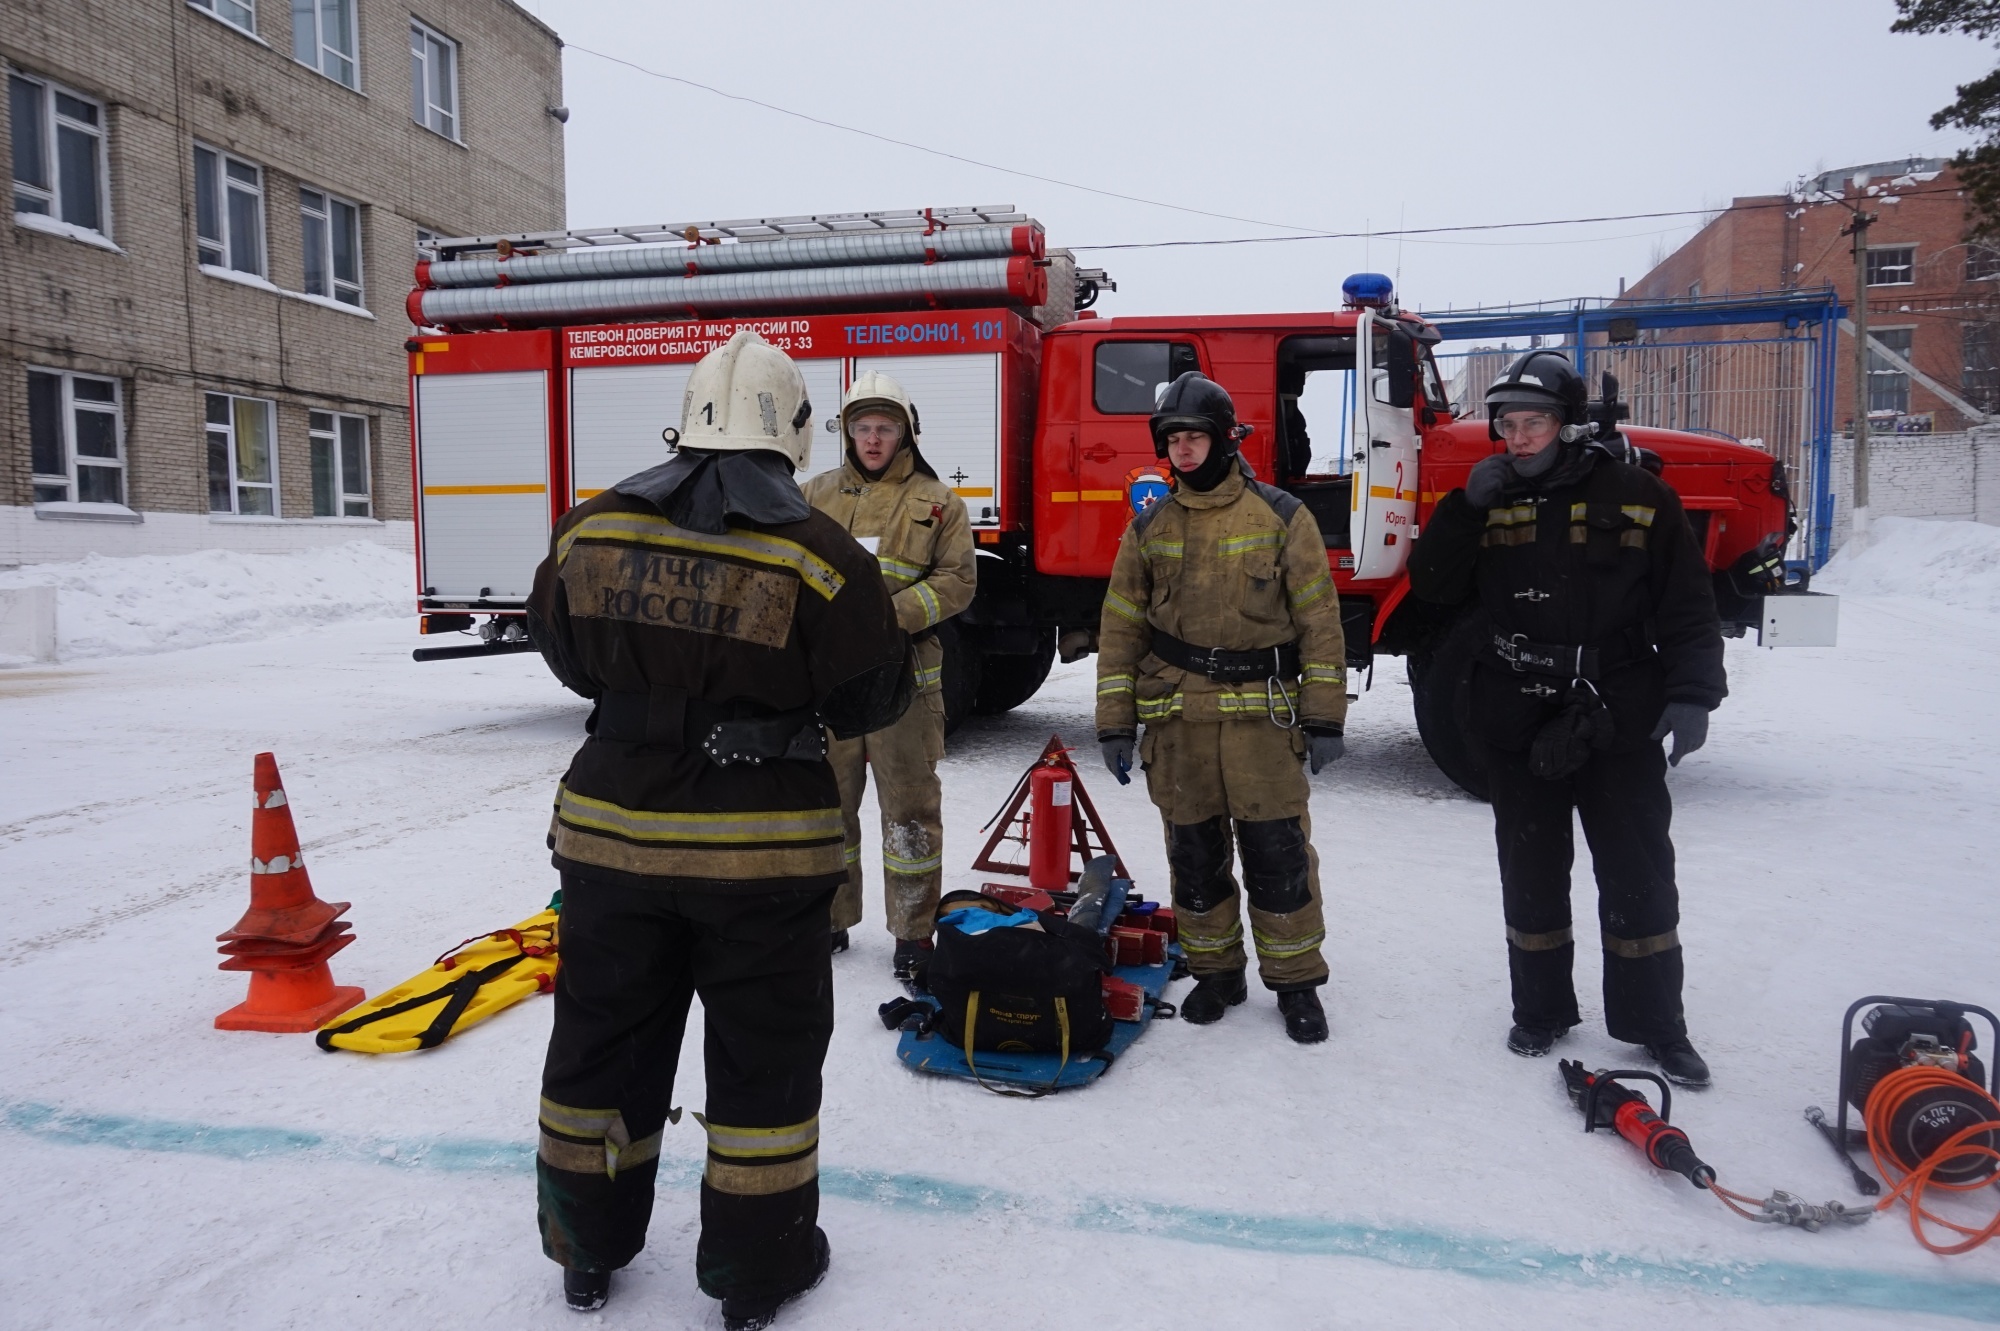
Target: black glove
1323 746
1688 723
1117 756
1488 480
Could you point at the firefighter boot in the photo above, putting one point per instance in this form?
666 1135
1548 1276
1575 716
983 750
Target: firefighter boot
1534 1041
1213 995
912 956
1305 1019
585 1291
840 940
754 1314
1678 1059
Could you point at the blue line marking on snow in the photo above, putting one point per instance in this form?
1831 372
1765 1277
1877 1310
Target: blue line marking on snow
1790 1283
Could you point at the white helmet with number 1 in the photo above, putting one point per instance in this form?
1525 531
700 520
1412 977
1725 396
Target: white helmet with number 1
747 394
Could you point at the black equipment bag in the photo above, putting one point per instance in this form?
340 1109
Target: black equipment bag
1021 990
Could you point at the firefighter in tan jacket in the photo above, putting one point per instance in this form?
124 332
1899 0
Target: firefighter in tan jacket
890 500
1221 634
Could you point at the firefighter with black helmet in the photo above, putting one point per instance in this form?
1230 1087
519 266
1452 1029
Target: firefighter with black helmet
1602 640
1221 635
721 626
891 500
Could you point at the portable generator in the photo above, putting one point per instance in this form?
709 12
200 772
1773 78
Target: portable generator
1915 1081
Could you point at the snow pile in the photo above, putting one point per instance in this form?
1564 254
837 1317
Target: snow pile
1957 563
163 603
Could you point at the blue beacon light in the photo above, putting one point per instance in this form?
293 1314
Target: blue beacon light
1369 291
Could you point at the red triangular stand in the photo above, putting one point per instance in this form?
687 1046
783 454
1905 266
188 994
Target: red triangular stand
1088 839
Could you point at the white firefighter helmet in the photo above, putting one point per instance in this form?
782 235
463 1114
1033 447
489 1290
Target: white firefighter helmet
747 394
874 391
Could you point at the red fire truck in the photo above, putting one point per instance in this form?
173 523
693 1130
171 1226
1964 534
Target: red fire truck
547 366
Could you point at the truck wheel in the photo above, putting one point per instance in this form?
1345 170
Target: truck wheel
1005 682
1440 687
962 669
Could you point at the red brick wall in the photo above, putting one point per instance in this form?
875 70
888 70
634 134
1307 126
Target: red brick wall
1771 243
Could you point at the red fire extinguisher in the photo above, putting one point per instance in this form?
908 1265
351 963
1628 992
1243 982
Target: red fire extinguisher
1049 790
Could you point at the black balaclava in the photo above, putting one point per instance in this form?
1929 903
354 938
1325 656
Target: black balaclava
1221 460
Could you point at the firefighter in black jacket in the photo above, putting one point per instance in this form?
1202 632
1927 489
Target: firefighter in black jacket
718 622
1602 639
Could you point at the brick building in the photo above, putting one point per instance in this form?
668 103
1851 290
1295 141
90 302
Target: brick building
217 205
1933 296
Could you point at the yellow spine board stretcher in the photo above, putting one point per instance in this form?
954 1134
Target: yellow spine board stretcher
462 988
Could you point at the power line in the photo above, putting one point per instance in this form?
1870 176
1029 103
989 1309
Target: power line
934 152
1305 232
1481 226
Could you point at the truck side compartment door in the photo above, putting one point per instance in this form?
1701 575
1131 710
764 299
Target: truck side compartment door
957 398
1385 454
483 477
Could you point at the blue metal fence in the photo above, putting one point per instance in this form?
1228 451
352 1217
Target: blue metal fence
1759 369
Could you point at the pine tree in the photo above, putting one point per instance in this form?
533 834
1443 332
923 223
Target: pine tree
1977 108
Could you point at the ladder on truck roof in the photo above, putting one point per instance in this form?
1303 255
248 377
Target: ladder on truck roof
740 229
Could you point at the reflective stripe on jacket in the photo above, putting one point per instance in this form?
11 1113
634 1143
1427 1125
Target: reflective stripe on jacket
1226 568
923 545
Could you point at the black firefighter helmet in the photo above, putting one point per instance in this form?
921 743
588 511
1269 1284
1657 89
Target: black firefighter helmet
1195 402
1540 379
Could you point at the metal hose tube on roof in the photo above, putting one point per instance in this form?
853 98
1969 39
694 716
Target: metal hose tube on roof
1015 281
835 251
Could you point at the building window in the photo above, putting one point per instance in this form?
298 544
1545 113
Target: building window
1980 380
242 463
1895 267
1888 387
1130 375
74 425
332 233
434 80
228 211
236 13
1981 262
339 465
323 36
58 153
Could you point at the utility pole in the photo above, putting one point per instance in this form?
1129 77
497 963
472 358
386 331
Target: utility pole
1858 228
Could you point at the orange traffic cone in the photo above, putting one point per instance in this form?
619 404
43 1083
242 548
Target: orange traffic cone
286 936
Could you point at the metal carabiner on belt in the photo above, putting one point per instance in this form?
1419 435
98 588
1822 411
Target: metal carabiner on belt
1274 692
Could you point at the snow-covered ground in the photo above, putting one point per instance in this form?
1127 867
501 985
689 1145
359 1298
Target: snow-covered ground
1836 838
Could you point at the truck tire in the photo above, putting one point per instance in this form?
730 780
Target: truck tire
1005 682
1440 689
962 669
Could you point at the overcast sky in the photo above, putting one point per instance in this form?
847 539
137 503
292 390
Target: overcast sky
1335 116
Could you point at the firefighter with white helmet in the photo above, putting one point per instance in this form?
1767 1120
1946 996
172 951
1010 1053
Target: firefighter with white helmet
721 626
890 500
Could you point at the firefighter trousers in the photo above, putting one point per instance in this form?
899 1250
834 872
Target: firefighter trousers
905 758
1204 776
1622 801
632 959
